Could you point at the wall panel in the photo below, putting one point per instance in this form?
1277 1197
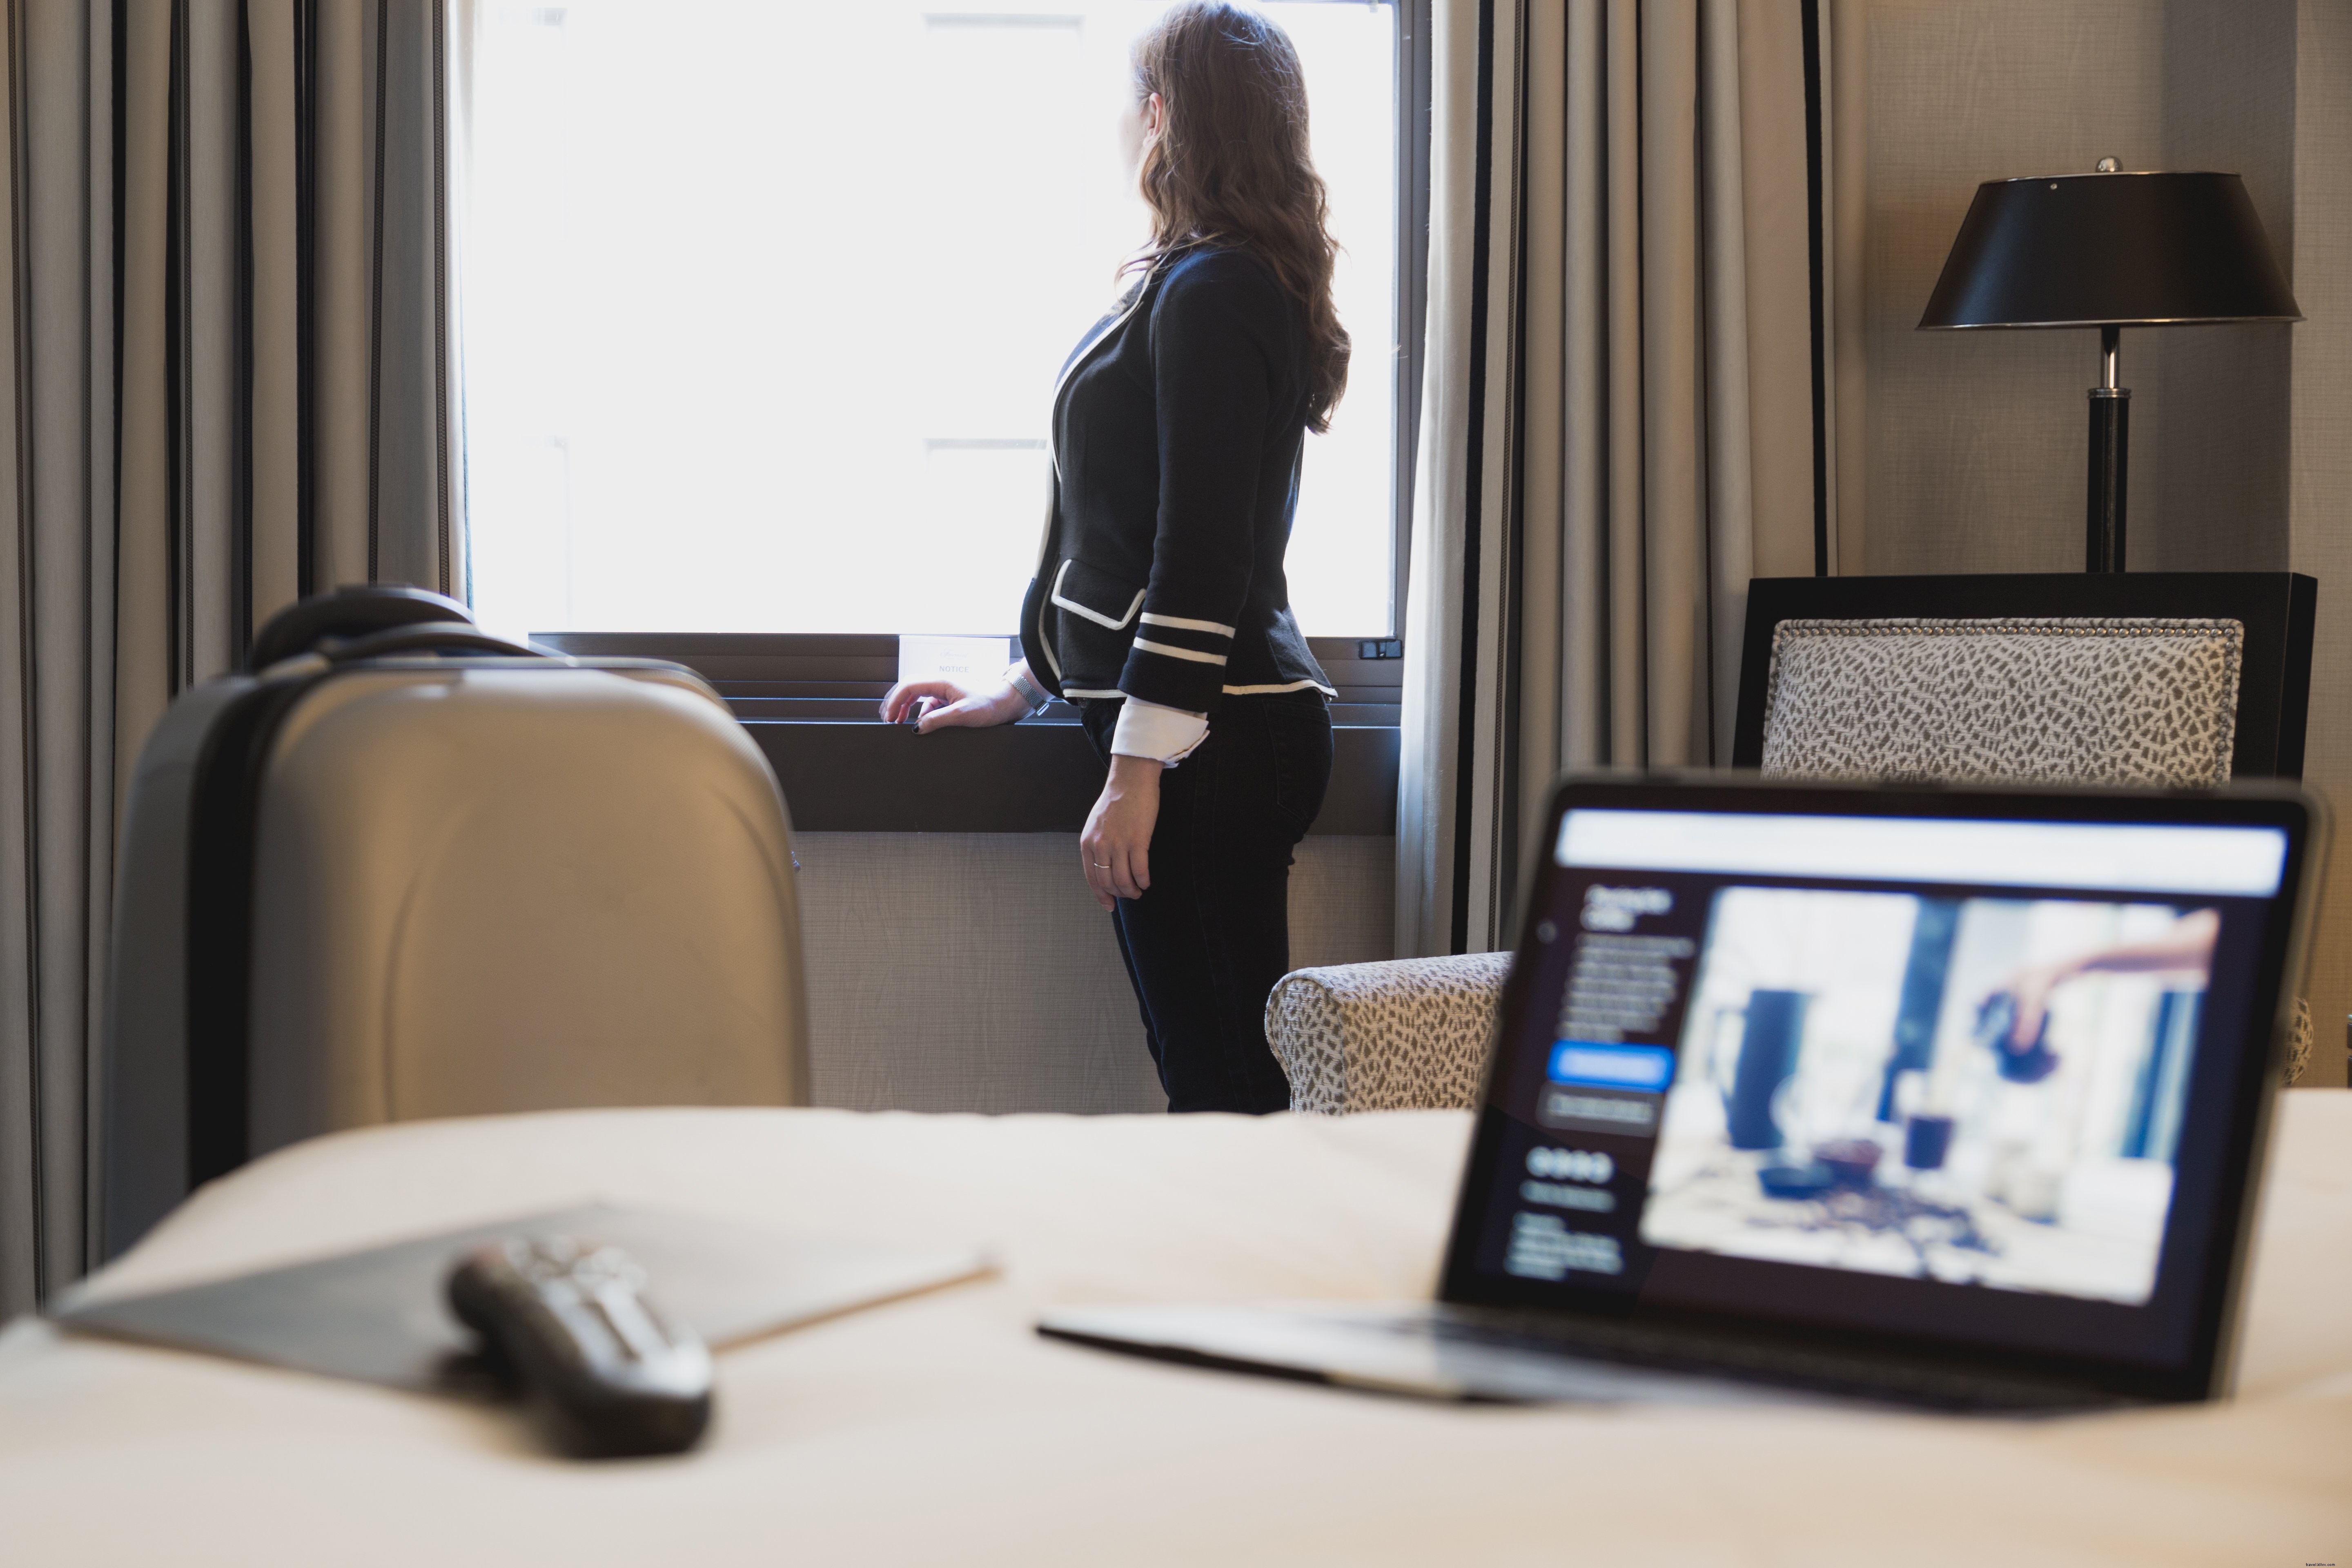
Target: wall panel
973 971
1976 439
2322 471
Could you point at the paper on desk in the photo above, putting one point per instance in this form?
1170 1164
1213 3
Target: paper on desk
377 1315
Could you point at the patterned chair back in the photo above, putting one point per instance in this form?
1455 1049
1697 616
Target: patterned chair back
2012 700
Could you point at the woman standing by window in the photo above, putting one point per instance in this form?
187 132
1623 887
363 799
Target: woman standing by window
1160 607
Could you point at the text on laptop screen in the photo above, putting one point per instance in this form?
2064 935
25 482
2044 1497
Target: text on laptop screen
1960 1052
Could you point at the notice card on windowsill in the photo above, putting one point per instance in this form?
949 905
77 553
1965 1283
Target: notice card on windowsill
970 662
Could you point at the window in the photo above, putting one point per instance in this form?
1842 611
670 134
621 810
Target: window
764 301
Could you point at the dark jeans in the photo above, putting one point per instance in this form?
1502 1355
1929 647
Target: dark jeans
1211 934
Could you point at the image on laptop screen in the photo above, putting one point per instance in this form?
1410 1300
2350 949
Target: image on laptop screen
1919 1073
2019 1134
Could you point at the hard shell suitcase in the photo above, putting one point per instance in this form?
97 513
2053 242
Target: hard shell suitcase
398 867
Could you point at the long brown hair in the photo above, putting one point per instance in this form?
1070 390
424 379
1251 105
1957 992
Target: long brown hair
1230 165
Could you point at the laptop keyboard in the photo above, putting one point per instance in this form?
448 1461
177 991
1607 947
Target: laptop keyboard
1797 1366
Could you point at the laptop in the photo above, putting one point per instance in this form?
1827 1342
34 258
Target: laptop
1947 1097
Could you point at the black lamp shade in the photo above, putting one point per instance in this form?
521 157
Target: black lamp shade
2088 250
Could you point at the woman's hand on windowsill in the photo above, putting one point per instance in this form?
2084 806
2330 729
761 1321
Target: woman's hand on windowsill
954 706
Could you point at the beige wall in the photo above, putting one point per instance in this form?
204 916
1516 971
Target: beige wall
2320 517
1973 443
973 971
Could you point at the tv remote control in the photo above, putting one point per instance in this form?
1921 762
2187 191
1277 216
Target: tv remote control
568 1321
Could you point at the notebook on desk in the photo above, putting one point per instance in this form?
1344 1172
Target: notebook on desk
378 1314
1950 1097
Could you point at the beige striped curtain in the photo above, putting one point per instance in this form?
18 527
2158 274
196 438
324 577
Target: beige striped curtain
230 384
1617 428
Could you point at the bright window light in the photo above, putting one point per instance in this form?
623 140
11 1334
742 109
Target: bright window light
764 301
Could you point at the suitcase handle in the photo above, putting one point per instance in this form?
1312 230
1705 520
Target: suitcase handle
426 636
355 611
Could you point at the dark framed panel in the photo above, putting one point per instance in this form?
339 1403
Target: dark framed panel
813 703
2275 607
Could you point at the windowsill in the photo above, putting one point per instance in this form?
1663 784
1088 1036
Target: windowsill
811 704
1020 778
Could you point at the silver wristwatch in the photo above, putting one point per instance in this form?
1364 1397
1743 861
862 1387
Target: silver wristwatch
1028 690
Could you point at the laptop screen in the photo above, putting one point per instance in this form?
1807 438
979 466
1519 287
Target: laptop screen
1969 1070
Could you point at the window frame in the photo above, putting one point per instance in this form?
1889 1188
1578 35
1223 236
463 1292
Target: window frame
811 700
1411 21
1413 120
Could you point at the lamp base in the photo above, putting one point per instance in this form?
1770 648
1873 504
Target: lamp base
2103 545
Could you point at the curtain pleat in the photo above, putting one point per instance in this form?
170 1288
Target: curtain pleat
412 524
343 218
1448 804
151 601
56 623
229 352
1846 71
1724 527
1447 482
1588 526
274 554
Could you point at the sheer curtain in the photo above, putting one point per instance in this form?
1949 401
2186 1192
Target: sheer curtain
1617 428
228 339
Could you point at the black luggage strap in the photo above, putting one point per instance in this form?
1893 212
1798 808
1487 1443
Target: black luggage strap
223 814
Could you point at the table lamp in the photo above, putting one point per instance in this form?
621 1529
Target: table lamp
2110 250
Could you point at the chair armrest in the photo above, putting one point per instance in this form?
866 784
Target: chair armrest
1409 1034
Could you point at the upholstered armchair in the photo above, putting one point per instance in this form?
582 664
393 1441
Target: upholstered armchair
2145 700
1406 1035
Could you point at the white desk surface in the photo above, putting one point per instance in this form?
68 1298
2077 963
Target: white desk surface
940 1430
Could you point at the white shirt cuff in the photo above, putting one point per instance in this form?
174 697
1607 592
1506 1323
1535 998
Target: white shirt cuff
1163 734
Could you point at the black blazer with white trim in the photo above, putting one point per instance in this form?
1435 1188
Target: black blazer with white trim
1177 432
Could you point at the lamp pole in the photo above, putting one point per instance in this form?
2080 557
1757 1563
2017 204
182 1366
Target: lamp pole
2110 461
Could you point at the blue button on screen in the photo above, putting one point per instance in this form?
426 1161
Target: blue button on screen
1644 1068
